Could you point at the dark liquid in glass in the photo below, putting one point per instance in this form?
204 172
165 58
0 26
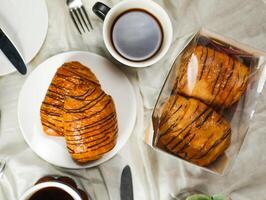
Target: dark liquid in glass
136 35
51 193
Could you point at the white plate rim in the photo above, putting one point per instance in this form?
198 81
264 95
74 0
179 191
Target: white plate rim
132 125
41 43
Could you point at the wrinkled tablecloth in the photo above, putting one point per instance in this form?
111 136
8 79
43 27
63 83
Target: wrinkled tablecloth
156 176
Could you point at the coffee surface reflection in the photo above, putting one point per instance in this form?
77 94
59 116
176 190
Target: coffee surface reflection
136 35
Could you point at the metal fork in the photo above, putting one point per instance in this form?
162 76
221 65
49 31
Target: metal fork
79 15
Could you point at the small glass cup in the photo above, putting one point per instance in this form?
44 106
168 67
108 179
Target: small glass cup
184 194
62 182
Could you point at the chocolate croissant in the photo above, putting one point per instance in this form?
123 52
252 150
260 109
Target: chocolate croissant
77 108
211 76
193 131
65 82
90 124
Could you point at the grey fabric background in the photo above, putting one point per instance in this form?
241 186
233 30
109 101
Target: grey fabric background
156 175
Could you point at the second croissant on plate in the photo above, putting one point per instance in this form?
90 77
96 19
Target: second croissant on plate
90 124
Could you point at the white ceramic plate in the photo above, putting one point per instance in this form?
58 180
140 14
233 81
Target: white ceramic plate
26 23
113 81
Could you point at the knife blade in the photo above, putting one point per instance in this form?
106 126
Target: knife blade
126 186
11 52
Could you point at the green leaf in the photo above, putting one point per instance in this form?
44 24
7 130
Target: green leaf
198 197
218 197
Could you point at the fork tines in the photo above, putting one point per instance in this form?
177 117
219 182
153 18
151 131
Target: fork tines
81 19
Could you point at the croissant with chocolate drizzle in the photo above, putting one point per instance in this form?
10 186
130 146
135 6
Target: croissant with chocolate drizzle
90 124
217 79
193 131
77 108
65 82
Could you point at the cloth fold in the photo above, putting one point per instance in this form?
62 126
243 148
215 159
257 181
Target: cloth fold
156 176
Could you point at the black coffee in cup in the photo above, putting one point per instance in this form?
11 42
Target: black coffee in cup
51 193
136 35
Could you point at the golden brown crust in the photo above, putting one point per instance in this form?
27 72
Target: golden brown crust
77 108
212 77
90 125
193 131
67 78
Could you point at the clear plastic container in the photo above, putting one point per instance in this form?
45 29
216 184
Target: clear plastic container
208 99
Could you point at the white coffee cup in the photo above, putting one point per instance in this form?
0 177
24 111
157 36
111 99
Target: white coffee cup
109 15
33 190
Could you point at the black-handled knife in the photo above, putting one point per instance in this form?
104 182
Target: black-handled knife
10 51
126 186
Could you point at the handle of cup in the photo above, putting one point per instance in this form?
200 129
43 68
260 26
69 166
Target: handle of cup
100 10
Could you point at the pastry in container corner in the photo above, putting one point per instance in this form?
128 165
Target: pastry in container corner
193 131
212 76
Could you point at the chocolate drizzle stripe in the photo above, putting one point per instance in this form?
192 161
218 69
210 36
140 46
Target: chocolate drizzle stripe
200 150
198 126
58 132
55 97
83 96
230 91
82 75
180 140
97 147
45 112
83 140
176 122
111 141
164 114
210 65
170 141
53 105
215 144
71 151
217 78
186 145
206 118
61 95
89 116
219 89
92 146
194 120
231 73
65 90
53 119
111 124
169 117
65 78
182 72
220 119
244 81
55 128
49 123
94 124
88 105
202 53
204 64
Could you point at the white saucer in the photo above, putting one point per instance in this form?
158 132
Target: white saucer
53 149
